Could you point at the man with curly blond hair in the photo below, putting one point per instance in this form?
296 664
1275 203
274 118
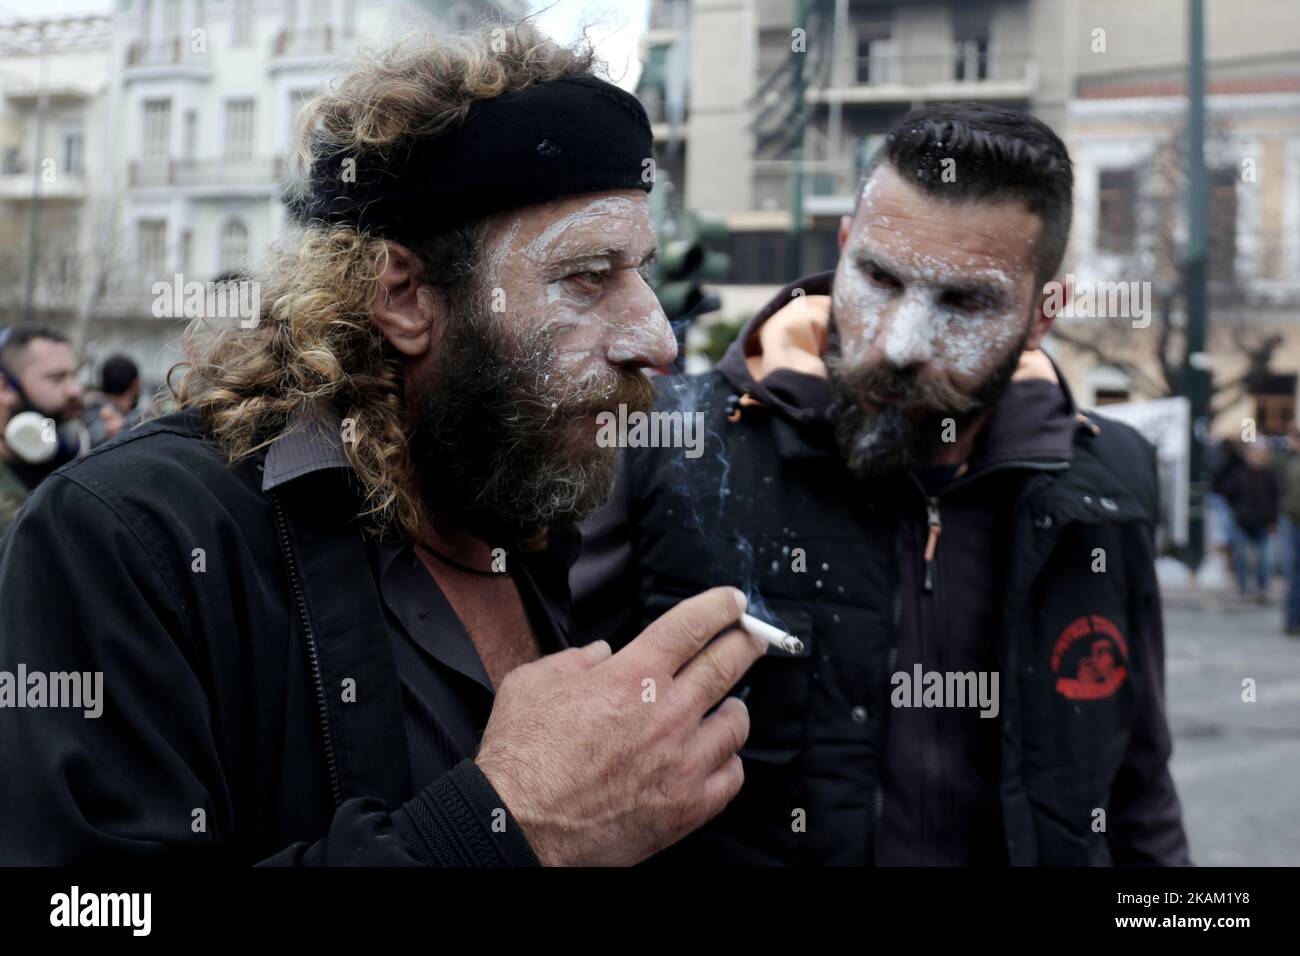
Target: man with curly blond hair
326 599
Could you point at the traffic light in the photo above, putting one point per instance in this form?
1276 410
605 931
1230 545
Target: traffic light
686 262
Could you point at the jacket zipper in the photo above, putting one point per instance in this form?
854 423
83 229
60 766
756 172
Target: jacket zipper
932 541
884 711
935 522
295 585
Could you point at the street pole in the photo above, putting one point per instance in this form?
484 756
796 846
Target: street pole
33 233
1196 371
794 252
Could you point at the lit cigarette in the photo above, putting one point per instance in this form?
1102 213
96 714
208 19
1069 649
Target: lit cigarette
773 635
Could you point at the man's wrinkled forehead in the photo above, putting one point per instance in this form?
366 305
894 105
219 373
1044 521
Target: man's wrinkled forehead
932 239
608 225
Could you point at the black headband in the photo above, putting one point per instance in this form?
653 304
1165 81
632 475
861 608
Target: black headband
563 137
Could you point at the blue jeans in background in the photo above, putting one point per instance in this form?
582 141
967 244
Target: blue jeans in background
1293 581
1244 542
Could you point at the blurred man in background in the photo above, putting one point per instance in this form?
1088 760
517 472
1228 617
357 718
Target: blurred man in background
44 429
1251 491
116 407
1290 508
12 491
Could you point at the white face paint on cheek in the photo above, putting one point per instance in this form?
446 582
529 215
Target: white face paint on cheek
974 345
858 307
577 351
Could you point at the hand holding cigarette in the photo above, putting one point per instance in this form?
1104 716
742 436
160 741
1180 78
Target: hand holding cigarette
604 759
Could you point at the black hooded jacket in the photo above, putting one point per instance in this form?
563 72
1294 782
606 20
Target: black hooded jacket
1041 573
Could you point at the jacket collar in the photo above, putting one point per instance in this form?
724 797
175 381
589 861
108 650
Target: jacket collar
308 446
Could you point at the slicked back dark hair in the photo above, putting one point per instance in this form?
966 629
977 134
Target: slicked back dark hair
999 154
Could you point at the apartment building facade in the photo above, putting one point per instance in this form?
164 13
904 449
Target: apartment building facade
1126 128
55 88
725 141
186 110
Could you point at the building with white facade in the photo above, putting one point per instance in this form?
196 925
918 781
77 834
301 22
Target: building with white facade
165 128
55 88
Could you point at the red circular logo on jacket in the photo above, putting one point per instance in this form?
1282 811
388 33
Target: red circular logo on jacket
1092 649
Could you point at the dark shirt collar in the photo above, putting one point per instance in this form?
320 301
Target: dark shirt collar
307 446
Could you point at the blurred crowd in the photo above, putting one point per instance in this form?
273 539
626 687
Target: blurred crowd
1255 503
48 417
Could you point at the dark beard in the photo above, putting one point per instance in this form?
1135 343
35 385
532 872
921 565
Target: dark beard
908 428
488 448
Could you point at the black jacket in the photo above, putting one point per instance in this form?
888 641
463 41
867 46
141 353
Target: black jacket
225 621
1014 587
1254 497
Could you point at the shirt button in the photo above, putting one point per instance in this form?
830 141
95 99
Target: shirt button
859 714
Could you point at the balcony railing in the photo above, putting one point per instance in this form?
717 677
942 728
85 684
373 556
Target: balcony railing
308 41
961 65
21 165
164 171
174 51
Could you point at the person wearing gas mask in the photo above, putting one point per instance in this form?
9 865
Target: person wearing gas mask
12 491
41 403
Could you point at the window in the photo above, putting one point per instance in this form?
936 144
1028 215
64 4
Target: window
151 241
191 134
971 31
234 246
157 128
241 29
756 256
1116 222
239 129
171 18
876 57
72 152
972 60
1221 237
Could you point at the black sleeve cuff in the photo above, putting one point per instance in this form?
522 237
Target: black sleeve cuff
449 823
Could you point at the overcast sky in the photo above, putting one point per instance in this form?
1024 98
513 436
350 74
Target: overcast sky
616 24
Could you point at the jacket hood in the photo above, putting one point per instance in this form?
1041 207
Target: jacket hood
776 361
